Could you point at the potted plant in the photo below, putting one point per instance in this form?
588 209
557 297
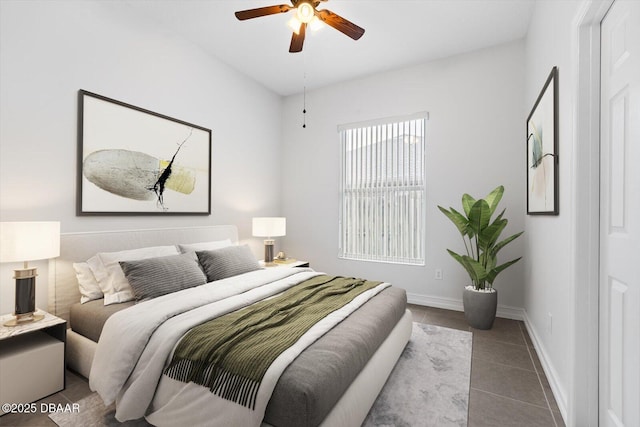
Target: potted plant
481 237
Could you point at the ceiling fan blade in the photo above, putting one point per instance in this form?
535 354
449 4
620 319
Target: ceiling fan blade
262 11
340 24
297 40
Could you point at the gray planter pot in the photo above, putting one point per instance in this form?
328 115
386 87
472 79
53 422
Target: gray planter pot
480 308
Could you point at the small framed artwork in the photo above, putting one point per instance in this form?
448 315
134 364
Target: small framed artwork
542 151
132 161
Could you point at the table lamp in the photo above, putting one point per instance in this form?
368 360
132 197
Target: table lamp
27 241
269 227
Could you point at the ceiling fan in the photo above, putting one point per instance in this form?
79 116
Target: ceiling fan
306 14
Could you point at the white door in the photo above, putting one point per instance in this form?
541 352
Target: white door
620 216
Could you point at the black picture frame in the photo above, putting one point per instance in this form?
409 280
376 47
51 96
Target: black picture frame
542 151
133 161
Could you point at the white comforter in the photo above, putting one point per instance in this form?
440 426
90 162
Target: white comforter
137 343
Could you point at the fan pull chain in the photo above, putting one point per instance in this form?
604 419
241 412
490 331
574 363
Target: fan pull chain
304 91
304 107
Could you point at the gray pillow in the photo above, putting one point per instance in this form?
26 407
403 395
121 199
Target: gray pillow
226 262
152 277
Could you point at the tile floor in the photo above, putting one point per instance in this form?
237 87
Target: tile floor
508 386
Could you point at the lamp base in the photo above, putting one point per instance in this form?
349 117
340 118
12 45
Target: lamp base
22 319
25 297
268 252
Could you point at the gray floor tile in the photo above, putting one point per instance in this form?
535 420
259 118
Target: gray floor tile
501 352
536 360
447 322
434 311
505 330
543 378
77 387
446 318
546 388
525 334
507 381
488 410
416 307
557 416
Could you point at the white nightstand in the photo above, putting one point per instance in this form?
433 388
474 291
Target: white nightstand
32 363
286 264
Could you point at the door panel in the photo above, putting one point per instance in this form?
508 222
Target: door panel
620 216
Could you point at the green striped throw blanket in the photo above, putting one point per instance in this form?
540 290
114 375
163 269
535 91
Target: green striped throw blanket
230 354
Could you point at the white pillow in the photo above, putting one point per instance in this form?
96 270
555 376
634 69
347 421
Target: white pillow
89 288
205 246
107 271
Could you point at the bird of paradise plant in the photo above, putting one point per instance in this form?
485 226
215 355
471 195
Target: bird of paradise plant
480 236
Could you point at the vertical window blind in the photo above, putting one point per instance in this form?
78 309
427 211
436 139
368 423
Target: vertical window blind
382 190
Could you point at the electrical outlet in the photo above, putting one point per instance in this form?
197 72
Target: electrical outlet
438 274
549 323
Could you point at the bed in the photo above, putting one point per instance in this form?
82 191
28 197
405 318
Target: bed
331 380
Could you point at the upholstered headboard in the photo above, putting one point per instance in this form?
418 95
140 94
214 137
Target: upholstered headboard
78 247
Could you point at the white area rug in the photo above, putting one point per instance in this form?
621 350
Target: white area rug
428 387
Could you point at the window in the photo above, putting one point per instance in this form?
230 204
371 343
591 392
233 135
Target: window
382 190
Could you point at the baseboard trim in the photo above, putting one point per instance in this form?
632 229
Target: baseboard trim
550 372
504 311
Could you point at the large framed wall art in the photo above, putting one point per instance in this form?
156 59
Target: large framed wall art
542 151
132 161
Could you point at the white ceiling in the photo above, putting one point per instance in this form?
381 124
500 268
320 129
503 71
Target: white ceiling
398 33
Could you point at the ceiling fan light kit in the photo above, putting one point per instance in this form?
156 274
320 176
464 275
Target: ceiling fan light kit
306 14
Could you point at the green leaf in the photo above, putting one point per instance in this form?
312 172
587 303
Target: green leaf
494 272
491 262
467 202
490 235
464 264
479 272
494 198
479 216
459 220
505 242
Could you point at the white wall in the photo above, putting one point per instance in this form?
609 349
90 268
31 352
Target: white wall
49 50
474 143
548 240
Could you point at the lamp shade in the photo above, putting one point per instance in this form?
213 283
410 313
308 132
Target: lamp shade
29 241
269 226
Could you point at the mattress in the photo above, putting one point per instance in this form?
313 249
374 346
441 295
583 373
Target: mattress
314 382
88 319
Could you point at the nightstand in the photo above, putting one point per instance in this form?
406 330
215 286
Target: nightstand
287 264
32 363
